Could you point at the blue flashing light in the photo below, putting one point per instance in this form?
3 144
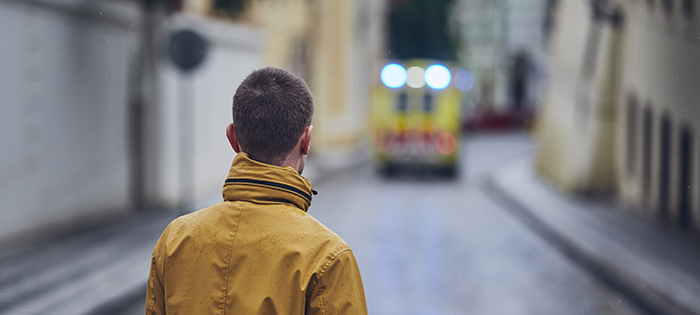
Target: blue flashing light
464 80
393 75
437 77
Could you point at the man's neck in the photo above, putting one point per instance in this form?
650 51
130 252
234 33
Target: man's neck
292 162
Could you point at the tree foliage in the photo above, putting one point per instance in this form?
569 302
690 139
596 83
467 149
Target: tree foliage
232 8
420 29
169 5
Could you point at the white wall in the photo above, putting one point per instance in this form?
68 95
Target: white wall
63 112
234 52
577 124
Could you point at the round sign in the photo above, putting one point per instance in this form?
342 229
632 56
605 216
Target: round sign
187 49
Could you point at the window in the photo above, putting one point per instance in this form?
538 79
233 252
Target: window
428 103
665 166
689 8
631 135
685 176
646 156
402 102
667 6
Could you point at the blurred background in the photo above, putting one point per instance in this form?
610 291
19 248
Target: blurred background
479 156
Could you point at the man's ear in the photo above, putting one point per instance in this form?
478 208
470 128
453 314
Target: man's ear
306 140
231 135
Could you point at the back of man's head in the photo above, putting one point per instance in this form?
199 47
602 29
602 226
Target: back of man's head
271 110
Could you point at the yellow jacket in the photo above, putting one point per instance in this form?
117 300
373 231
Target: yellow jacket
257 252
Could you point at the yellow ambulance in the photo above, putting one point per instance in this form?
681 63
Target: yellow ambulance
415 117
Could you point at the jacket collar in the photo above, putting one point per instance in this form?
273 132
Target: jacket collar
254 181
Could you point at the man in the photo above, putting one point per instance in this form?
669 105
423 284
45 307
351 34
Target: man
258 251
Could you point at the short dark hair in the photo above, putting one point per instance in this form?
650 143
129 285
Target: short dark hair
271 109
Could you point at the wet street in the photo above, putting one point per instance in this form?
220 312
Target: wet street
430 246
435 246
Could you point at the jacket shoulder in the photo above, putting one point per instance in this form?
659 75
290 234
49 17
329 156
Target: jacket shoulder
322 232
293 230
332 244
195 227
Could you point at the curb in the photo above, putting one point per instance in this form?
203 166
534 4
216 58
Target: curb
632 288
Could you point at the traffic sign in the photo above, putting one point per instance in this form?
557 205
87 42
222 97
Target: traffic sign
187 49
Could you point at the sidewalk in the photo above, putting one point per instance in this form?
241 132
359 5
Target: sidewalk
82 273
98 270
655 267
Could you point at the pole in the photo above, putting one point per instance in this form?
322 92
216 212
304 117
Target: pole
186 159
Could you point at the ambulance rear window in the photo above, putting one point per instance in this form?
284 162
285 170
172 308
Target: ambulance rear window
428 103
402 102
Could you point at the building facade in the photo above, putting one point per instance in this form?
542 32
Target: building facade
336 47
64 113
659 116
494 34
621 113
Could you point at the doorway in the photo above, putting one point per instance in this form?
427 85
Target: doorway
685 175
646 156
665 165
